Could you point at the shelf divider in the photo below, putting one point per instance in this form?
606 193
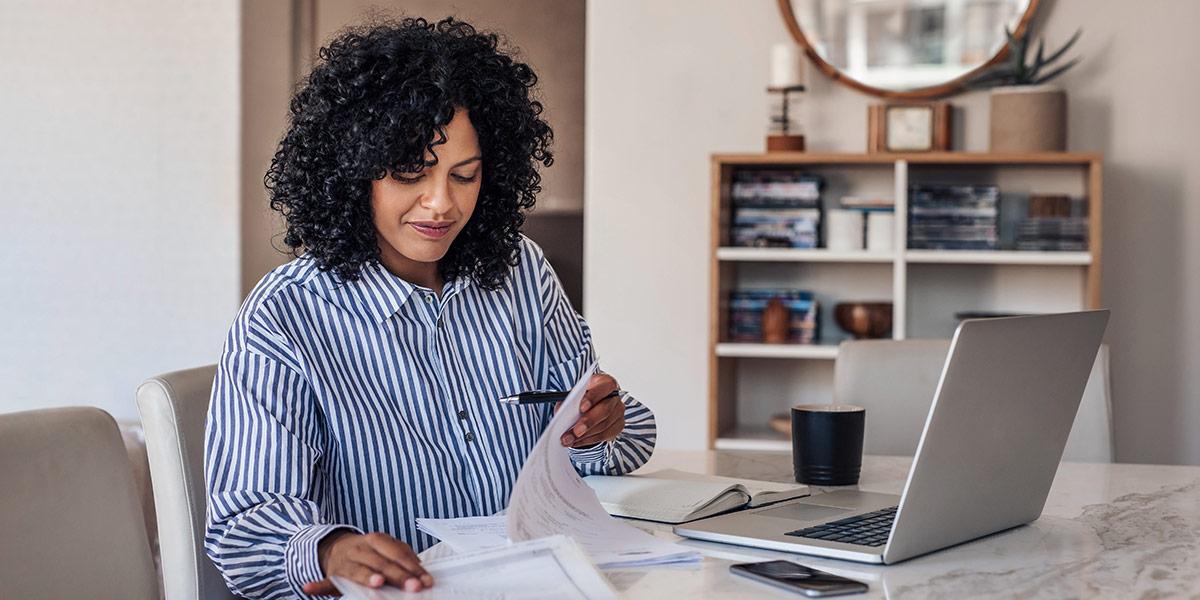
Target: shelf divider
731 253
900 243
753 438
752 350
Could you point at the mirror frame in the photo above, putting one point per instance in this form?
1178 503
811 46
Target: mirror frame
926 93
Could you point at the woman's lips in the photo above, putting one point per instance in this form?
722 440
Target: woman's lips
432 229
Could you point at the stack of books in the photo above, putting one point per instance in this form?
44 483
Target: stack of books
746 312
953 217
776 209
1055 223
1053 234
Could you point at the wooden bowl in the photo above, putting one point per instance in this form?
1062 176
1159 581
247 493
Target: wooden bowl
865 320
781 423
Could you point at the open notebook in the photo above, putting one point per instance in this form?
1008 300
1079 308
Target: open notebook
671 496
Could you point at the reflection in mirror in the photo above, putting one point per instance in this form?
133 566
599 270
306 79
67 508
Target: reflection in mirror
904 45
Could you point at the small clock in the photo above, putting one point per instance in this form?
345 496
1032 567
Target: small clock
908 127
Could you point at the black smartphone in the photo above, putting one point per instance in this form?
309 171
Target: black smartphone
799 578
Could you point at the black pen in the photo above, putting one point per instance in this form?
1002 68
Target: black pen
541 397
534 397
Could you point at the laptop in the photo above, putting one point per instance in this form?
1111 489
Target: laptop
992 441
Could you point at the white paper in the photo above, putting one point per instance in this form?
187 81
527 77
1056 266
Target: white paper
547 568
483 535
467 534
550 498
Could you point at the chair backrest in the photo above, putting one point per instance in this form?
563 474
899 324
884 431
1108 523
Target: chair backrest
1091 437
895 381
173 408
70 518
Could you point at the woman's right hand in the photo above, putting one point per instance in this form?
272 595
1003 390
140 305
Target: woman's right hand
371 559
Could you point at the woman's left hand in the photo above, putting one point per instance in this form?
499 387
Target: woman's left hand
602 414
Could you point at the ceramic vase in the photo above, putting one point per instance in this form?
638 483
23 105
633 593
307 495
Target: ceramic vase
1028 118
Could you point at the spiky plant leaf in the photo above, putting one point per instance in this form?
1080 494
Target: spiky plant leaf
1016 47
1038 60
1015 70
1056 72
1067 46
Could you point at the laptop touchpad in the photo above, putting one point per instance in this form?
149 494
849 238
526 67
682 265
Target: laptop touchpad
803 512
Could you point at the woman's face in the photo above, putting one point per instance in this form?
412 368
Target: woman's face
418 216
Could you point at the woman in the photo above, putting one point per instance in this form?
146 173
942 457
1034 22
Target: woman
357 390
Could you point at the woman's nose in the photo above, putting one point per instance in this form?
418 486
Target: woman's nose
438 197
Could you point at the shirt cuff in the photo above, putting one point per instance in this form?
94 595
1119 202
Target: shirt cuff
300 555
591 455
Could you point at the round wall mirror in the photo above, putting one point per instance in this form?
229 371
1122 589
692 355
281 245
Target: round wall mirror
905 48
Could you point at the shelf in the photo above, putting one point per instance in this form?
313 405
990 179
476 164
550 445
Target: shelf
999 257
977 257
817 351
935 158
758 438
727 253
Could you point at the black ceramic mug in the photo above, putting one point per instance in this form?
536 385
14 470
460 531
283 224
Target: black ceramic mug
827 443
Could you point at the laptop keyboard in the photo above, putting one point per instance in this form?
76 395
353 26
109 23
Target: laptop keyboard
870 529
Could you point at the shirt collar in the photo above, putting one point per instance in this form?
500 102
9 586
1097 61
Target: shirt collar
378 293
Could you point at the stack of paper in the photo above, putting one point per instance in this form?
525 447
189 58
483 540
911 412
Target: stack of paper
550 498
473 534
552 567
467 534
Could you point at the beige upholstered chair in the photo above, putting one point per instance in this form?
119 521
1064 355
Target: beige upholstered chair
173 407
896 380
1092 435
71 523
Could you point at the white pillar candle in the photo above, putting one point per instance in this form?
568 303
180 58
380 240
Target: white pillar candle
881 231
787 65
844 229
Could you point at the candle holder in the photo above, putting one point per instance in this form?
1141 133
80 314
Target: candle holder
784 135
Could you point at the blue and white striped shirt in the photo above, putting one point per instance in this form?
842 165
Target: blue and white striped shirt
372 403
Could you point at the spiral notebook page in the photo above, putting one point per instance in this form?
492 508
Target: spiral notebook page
668 501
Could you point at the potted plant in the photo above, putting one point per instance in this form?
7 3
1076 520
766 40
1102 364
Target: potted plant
1027 113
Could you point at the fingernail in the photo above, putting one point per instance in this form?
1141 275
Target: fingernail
412 584
585 406
427 579
579 429
567 439
375 580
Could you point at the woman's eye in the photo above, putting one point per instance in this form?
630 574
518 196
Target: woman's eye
409 178
465 179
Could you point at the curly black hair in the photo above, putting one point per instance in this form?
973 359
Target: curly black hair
378 99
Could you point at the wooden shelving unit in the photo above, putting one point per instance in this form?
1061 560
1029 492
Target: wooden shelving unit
923 285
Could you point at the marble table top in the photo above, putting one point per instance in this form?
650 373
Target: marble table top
1107 531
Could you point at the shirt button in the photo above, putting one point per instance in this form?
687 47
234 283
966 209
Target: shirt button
429 297
462 414
470 437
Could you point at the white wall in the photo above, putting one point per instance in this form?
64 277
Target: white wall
669 82
118 195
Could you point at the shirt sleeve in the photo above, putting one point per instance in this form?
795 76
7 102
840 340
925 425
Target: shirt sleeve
569 349
263 446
